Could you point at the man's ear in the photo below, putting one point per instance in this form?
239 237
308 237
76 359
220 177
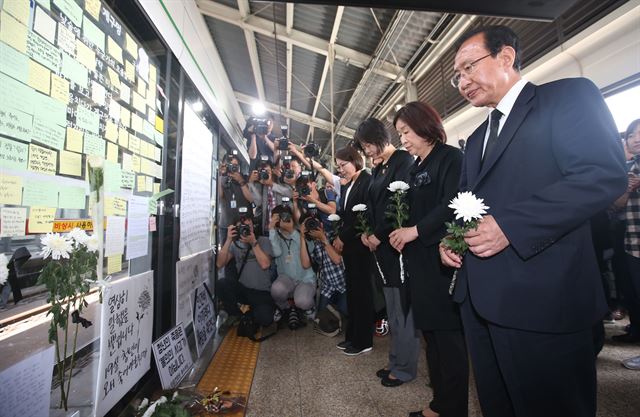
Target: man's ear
507 56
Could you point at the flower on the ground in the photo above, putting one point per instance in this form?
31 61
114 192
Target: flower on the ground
334 218
4 269
468 207
79 236
398 186
144 403
152 407
359 207
56 246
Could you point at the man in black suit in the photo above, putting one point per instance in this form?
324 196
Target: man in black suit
547 159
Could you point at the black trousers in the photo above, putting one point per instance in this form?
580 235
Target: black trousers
528 374
359 296
448 366
231 292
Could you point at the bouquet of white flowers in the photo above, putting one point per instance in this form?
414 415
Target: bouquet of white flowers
363 225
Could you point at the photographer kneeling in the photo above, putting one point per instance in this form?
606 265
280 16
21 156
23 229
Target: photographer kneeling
293 279
253 260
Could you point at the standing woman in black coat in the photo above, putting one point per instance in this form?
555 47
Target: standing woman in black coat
433 182
374 138
357 258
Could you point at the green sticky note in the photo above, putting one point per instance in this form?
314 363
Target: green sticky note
94 145
71 9
112 176
153 206
15 123
49 134
159 138
14 155
93 33
39 193
87 119
42 51
49 110
13 63
44 3
148 130
72 198
161 194
75 71
127 179
16 95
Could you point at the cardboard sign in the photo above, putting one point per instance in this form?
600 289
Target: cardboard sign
172 355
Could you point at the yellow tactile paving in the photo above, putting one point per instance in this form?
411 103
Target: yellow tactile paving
232 368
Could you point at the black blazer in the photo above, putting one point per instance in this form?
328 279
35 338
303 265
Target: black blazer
558 162
433 182
358 195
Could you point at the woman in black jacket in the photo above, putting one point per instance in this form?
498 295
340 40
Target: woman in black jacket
356 256
433 182
373 137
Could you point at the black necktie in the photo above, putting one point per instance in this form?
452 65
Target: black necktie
492 140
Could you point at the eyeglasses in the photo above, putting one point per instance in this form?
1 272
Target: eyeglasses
467 70
344 164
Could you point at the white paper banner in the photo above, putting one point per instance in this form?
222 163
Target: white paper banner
172 355
191 272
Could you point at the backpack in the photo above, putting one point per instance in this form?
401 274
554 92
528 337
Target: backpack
328 322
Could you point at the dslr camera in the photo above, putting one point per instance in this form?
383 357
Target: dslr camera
302 184
311 150
283 141
263 174
287 172
243 230
233 168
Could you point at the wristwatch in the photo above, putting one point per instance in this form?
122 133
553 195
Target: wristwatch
254 244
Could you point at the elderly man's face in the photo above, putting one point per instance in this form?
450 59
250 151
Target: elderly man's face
484 80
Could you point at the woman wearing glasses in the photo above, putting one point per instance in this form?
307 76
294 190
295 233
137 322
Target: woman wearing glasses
433 182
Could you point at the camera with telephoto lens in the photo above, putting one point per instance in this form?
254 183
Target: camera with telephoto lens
233 168
311 150
283 144
243 230
286 201
263 174
302 184
312 222
287 172
261 126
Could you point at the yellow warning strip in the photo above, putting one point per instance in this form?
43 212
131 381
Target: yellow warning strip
232 368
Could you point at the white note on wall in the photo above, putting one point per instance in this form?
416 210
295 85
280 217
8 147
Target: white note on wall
137 227
191 272
125 338
13 221
25 388
114 244
195 205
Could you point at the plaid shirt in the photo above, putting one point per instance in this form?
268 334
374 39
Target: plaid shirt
330 274
632 217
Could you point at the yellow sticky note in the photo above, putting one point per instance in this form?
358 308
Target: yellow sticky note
115 206
10 189
141 87
112 152
135 163
41 219
111 131
142 183
114 264
134 144
42 160
159 124
125 117
153 72
39 77
93 7
114 78
85 55
114 50
131 46
136 122
18 8
70 163
13 32
60 89
130 70
74 139
123 138
139 103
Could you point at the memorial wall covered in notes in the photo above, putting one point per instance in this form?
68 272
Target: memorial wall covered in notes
75 82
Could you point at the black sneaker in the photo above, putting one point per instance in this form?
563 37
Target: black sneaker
354 351
294 320
343 345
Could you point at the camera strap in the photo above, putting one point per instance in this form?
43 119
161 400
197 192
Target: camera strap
244 262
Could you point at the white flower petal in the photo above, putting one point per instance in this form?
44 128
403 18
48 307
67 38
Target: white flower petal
359 207
56 246
398 186
333 218
95 161
4 268
468 207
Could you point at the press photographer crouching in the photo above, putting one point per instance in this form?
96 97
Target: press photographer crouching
293 279
252 256
267 193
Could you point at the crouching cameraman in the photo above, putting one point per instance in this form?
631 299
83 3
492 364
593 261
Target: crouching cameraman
253 260
294 280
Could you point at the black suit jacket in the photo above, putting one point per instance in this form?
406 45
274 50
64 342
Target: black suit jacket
357 195
558 162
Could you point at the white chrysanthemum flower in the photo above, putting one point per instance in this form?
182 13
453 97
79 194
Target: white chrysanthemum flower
95 161
152 408
175 394
359 207
143 403
398 186
92 243
79 236
4 269
468 207
56 246
333 218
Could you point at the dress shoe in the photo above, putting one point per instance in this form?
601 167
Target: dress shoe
343 345
354 351
416 414
383 373
388 382
627 338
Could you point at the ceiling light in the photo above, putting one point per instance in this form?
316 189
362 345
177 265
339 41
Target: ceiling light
258 108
